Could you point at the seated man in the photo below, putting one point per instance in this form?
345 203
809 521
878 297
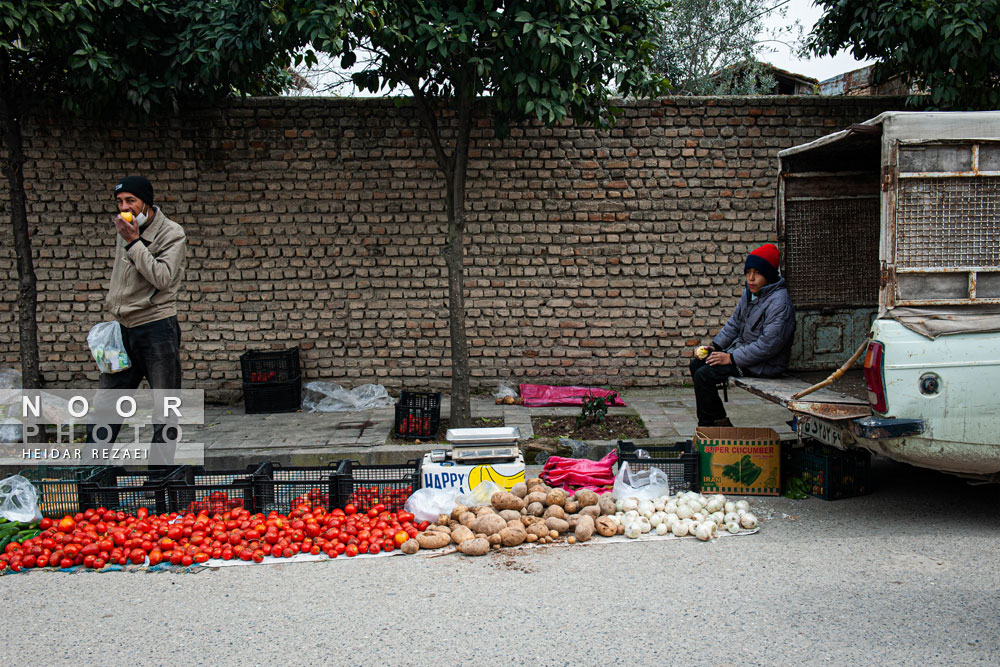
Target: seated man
755 342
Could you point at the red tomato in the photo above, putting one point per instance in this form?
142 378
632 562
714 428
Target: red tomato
65 563
401 537
67 524
374 549
258 556
351 550
155 557
186 560
141 513
99 563
350 509
45 523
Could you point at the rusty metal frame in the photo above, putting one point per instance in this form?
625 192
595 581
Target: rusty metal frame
893 178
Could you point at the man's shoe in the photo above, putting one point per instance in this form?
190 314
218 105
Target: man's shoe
723 422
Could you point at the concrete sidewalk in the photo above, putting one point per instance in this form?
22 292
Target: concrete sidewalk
233 439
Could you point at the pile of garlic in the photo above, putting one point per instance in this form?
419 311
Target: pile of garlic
686 513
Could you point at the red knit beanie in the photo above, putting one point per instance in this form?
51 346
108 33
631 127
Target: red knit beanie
765 259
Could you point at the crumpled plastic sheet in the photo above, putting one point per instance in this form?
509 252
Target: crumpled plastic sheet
330 397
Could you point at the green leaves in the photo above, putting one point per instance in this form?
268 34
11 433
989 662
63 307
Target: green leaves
947 49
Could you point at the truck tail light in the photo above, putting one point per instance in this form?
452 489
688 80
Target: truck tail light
874 377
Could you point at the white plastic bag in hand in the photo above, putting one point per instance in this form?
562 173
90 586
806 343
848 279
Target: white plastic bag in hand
19 500
105 341
643 484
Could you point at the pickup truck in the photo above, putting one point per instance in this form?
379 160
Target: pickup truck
891 235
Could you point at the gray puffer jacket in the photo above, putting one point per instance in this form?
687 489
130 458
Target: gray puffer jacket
759 334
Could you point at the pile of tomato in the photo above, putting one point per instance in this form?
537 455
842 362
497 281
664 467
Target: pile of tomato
368 496
98 538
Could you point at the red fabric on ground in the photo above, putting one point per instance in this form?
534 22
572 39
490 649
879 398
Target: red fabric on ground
574 474
536 395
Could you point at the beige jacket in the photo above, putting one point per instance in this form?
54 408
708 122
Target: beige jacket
147 276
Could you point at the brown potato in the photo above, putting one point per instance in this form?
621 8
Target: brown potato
571 540
516 523
475 547
555 497
593 511
586 497
506 501
466 518
607 504
556 511
534 481
536 509
571 506
443 519
510 515
620 529
439 529
433 540
538 529
457 513
553 535
512 536
534 498
488 524
572 519
606 526
485 509
410 546
558 525
520 490
584 527
527 520
494 539
461 534
531 538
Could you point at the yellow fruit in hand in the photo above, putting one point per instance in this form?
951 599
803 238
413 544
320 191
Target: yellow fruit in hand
702 352
126 216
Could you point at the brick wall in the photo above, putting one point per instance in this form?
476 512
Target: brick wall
592 257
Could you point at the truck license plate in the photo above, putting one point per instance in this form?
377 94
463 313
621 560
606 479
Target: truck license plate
827 433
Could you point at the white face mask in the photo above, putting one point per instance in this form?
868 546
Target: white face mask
141 218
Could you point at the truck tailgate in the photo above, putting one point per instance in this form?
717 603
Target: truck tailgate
826 403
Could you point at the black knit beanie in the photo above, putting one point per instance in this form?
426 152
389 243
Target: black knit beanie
137 185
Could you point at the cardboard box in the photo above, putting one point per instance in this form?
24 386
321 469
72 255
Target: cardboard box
742 461
465 477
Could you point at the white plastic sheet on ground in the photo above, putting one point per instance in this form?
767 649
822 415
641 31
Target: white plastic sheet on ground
330 397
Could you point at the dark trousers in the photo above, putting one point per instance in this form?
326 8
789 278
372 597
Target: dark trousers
709 406
155 352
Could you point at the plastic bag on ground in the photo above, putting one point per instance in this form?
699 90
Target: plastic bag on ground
19 500
427 504
105 341
505 389
10 390
329 397
644 484
480 495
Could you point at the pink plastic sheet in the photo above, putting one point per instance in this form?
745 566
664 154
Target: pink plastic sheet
536 395
574 474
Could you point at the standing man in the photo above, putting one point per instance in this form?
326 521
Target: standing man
755 342
147 274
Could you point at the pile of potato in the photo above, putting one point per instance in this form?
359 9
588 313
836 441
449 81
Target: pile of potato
532 512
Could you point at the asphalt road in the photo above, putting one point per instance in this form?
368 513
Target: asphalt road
907 575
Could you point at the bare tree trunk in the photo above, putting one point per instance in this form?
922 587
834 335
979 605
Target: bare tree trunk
461 409
12 166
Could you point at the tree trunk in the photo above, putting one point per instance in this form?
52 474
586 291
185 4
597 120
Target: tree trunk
12 166
461 409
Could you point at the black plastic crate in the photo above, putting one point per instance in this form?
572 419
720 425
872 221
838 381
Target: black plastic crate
58 487
196 489
678 461
282 489
270 366
272 397
126 490
365 486
418 415
829 473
